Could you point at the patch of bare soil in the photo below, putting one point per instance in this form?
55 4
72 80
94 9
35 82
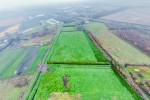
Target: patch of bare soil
11 21
14 88
66 81
12 29
64 96
20 82
37 41
148 83
144 69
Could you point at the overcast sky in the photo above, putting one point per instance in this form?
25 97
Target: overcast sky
7 4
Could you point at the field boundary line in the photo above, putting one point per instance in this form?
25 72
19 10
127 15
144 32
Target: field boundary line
97 44
80 63
104 20
134 46
84 66
113 62
72 31
68 25
34 84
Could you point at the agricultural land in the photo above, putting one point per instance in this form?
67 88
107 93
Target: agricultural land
142 16
133 63
115 46
70 72
89 50
20 55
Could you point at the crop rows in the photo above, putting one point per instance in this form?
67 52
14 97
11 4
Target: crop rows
20 61
136 35
120 50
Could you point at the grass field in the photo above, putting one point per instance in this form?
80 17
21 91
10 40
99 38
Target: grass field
10 61
121 51
88 81
72 47
69 28
20 60
40 55
67 81
99 55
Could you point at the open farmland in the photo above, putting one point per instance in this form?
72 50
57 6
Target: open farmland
75 50
72 47
139 39
141 75
15 88
24 57
39 57
121 51
16 61
44 28
69 28
40 30
142 72
79 49
11 60
136 16
39 35
37 41
136 35
71 80
89 82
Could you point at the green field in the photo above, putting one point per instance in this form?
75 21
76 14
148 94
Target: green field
91 82
69 28
20 60
67 80
121 51
10 61
40 55
72 47
99 55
